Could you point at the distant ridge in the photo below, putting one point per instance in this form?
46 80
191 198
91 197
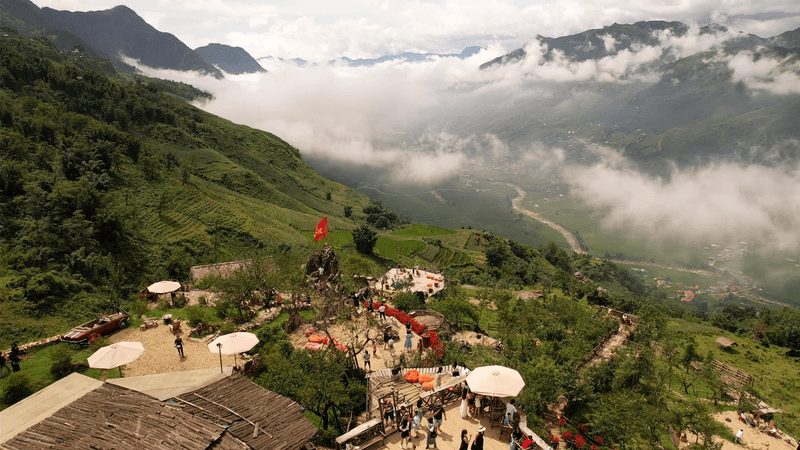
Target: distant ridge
406 57
112 33
234 60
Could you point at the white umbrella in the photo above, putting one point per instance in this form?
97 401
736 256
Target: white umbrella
231 344
495 381
164 287
116 355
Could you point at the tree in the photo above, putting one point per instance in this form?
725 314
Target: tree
364 239
348 211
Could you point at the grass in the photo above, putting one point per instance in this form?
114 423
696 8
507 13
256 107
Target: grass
777 378
418 230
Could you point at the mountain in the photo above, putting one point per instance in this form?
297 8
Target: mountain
112 33
234 60
405 57
118 180
594 44
677 106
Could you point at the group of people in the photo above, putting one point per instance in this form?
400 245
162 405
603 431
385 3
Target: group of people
411 419
11 357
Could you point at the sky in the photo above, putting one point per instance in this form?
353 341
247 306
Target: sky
320 30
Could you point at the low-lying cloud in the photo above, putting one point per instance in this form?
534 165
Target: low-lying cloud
723 203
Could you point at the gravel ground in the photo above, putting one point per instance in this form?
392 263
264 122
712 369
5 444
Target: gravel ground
161 356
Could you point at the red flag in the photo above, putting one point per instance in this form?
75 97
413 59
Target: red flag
321 230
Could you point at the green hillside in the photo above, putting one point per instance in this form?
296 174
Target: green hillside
109 182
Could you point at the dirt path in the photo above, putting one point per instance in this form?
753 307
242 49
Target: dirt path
517 204
603 354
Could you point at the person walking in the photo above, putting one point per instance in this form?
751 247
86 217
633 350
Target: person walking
431 442
179 346
366 361
418 418
405 426
465 438
739 437
477 444
438 416
382 311
407 345
14 357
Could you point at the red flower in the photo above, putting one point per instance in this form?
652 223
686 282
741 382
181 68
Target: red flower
562 421
599 439
582 427
554 439
593 447
580 441
567 435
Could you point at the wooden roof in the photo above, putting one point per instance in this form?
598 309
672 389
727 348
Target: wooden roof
255 416
725 342
114 417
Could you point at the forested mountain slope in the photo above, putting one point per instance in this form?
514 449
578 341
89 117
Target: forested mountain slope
107 182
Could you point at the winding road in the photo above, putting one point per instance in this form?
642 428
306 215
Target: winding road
517 204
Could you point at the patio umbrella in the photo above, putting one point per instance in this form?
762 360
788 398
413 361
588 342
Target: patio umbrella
164 287
116 355
495 381
231 344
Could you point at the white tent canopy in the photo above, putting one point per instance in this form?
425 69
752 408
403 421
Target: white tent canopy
116 355
495 381
164 287
231 344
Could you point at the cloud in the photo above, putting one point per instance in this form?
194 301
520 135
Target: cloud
764 73
722 203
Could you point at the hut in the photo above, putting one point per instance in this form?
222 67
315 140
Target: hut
726 343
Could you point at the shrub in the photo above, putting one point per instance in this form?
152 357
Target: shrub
140 307
407 301
61 355
180 301
194 315
17 387
227 328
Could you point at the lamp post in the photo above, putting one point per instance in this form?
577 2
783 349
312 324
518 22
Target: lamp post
219 346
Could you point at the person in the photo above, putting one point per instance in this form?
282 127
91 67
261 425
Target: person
739 437
438 416
388 412
3 365
405 426
463 408
478 405
471 403
464 440
407 345
431 442
382 311
14 349
386 338
14 358
477 444
374 348
437 380
418 417
516 436
510 411
366 360
179 346
391 346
